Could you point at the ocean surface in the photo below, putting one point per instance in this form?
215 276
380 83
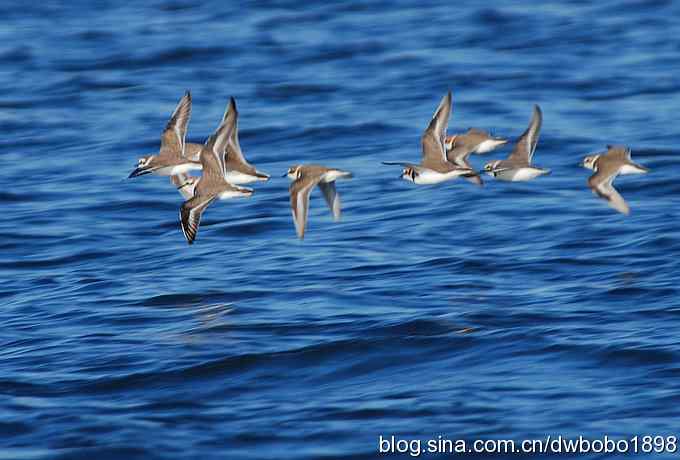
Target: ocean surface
512 311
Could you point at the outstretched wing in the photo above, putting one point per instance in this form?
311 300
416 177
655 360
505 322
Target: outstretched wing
190 215
526 144
299 201
234 151
174 134
332 198
213 153
601 184
432 140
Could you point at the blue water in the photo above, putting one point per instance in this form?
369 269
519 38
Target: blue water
513 311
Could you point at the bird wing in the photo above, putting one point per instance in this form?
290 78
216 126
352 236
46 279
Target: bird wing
526 144
174 134
190 215
601 184
332 197
234 152
213 153
299 201
433 139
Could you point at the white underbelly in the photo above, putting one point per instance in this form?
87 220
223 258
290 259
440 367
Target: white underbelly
428 176
487 146
237 177
520 174
229 194
630 169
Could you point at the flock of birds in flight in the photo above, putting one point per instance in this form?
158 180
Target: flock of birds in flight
444 157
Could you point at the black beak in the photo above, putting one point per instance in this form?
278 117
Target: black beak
284 175
139 172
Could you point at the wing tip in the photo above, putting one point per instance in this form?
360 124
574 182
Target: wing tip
189 235
184 103
299 230
232 106
622 208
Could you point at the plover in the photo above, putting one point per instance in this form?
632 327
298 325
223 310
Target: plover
212 184
239 171
460 146
518 167
171 159
305 177
616 160
434 166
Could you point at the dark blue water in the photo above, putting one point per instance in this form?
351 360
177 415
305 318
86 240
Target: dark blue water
513 311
